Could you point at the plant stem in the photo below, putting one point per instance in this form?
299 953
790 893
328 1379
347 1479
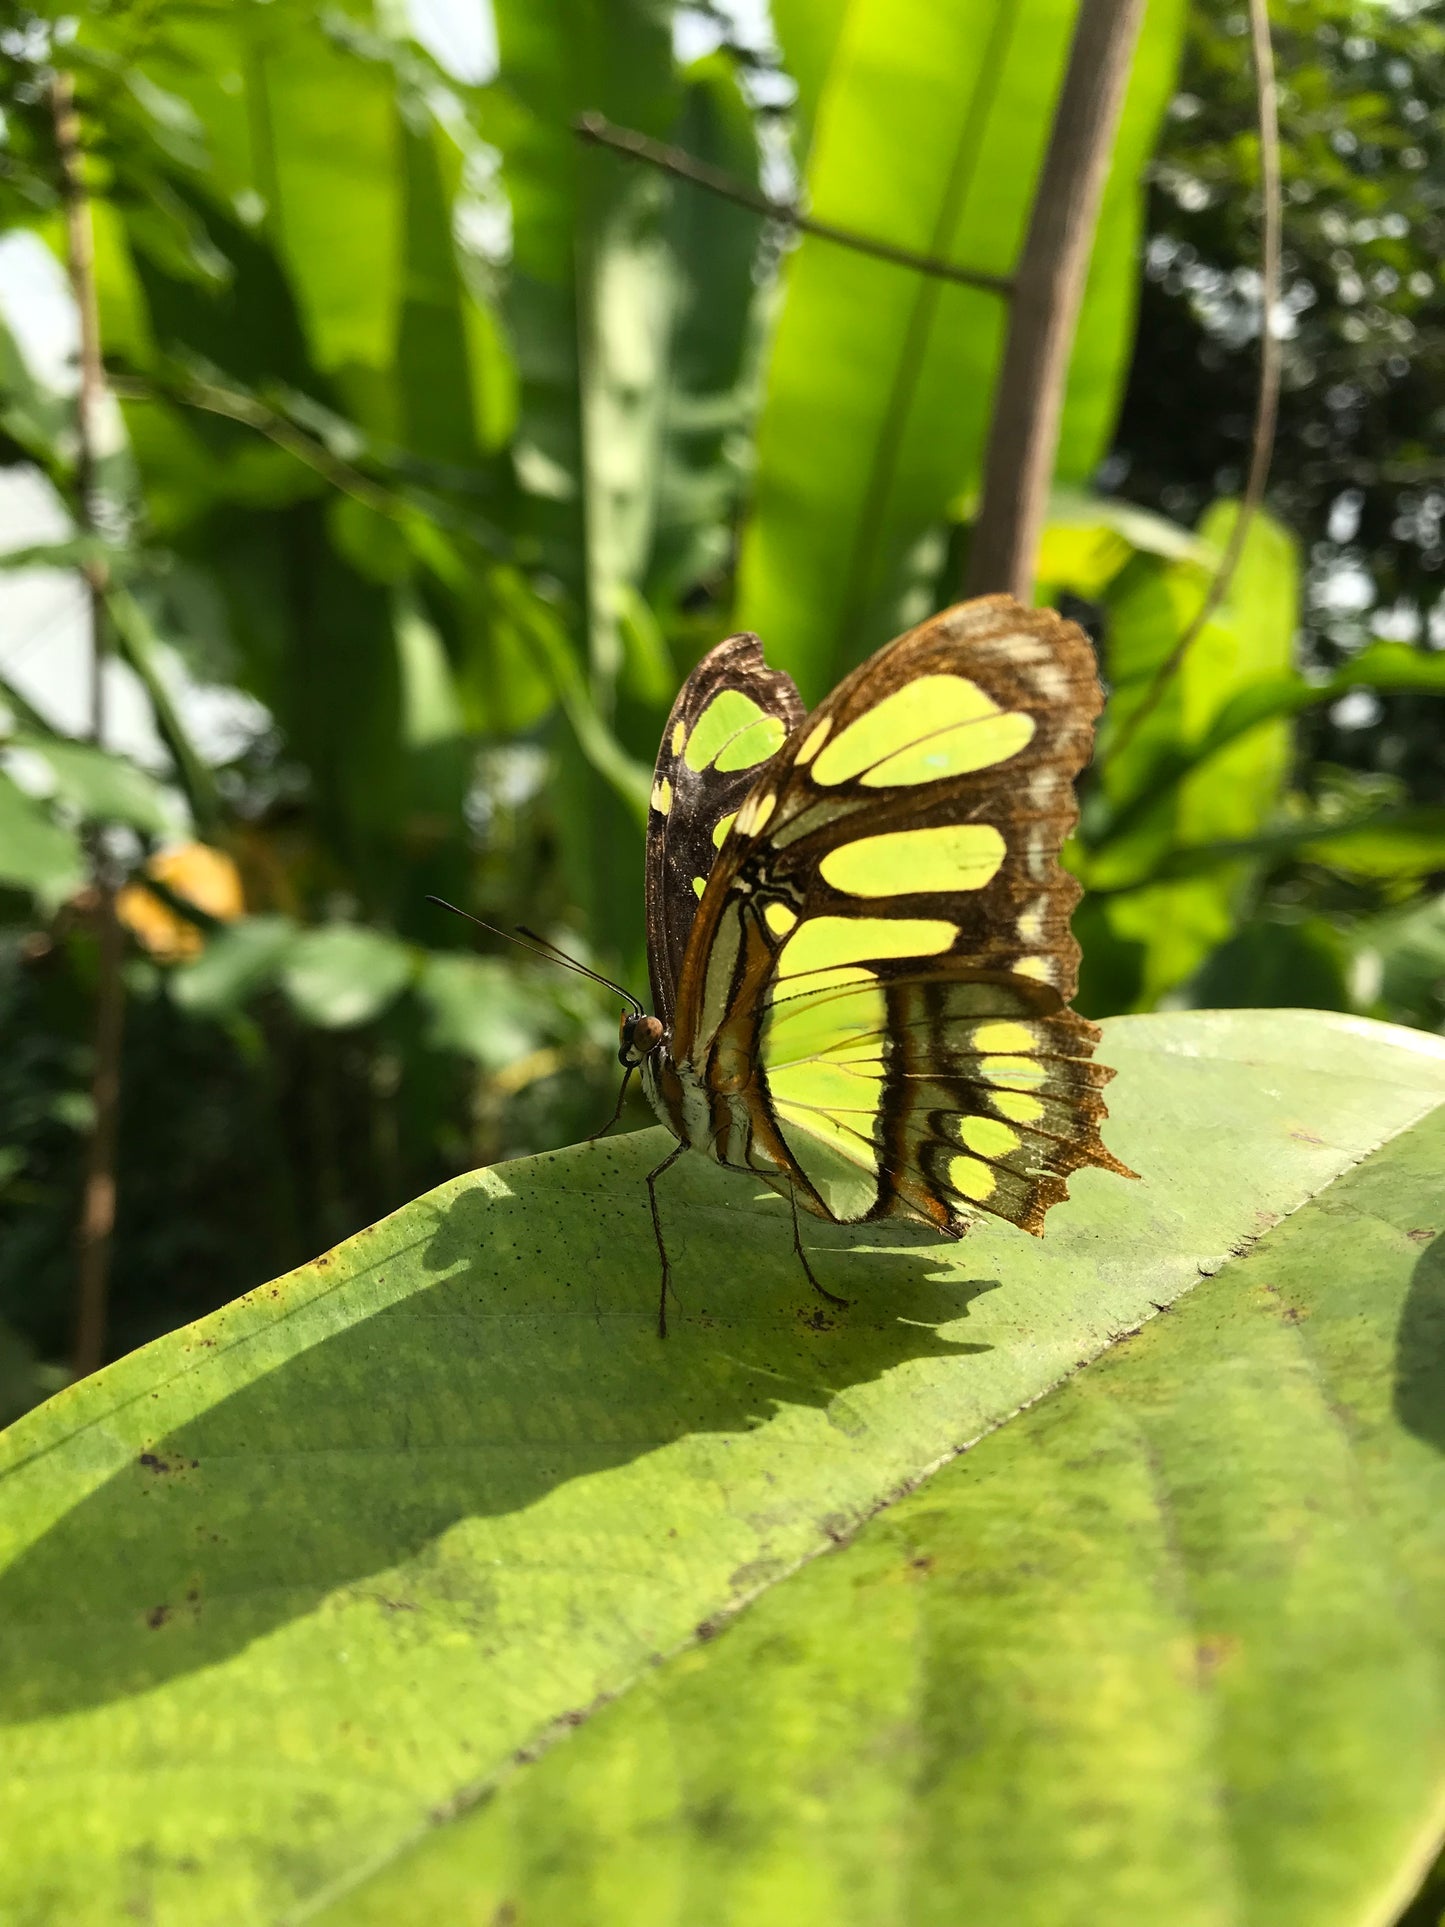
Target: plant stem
1048 289
97 1213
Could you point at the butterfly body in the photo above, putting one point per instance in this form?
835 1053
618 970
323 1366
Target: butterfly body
858 927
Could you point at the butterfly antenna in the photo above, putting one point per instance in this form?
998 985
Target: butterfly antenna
541 947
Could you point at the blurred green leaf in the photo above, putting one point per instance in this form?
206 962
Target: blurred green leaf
38 420
138 645
342 975
1138 827
1399 843
931 128
101 786
239 960
327 144
708 380
1088 539
1266 965
407 1516
1400 963
36 854
480 1008
808 32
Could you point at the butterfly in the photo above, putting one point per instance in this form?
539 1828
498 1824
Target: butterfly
858 928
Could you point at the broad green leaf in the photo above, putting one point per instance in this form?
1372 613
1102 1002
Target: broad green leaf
38 420
344 975
1134 830
808 32
36 853
1404 843
1166 1649
1089 538
1277 964
295 1583
138 644
103 787
478 1007
327 147
930 131
1380 665
245 957
1400 963
708 380
588 303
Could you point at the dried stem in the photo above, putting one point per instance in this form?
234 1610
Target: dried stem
673 160
1048 289
1266 410
97 1215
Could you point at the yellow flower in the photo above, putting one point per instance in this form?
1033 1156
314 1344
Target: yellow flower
203 876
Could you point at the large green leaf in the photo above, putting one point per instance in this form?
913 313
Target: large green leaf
588 304
101 786
36 853
1167 1649
289 1586
1152 803
931 127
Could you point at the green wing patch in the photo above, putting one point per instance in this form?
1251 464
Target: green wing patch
732 715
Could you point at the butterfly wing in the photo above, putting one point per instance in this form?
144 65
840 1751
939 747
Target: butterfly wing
873 1000
732 715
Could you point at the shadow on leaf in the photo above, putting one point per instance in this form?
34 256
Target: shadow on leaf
522 1356
1420 1345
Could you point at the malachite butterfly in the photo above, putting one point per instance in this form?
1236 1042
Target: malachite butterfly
858 927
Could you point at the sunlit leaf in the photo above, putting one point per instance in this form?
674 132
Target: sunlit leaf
930 131
36 854
342 975
395 1524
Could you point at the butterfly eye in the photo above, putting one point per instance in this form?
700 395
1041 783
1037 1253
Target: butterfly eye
640 1038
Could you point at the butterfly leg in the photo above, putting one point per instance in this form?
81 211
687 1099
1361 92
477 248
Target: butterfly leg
832 1298
592 1136
652 1178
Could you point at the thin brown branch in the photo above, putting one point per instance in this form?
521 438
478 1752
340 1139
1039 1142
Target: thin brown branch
601 132
97 1212
1048 290
1266 411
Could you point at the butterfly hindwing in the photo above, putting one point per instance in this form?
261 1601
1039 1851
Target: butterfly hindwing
874 996
732 715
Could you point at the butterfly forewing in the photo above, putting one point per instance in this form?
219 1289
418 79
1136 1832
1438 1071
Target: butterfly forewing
873 998
732 715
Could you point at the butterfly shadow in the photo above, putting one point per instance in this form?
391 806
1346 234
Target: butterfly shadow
468 1396
1420 1345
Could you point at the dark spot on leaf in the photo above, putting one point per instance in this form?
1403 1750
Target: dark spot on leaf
707 1629
154 1463
922 1562
1211 1652
1421 1235
1306 1137
157 1616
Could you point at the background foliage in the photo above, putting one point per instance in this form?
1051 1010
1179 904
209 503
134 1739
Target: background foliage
444 446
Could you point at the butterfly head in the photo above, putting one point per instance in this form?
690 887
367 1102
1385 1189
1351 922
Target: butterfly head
640 1037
